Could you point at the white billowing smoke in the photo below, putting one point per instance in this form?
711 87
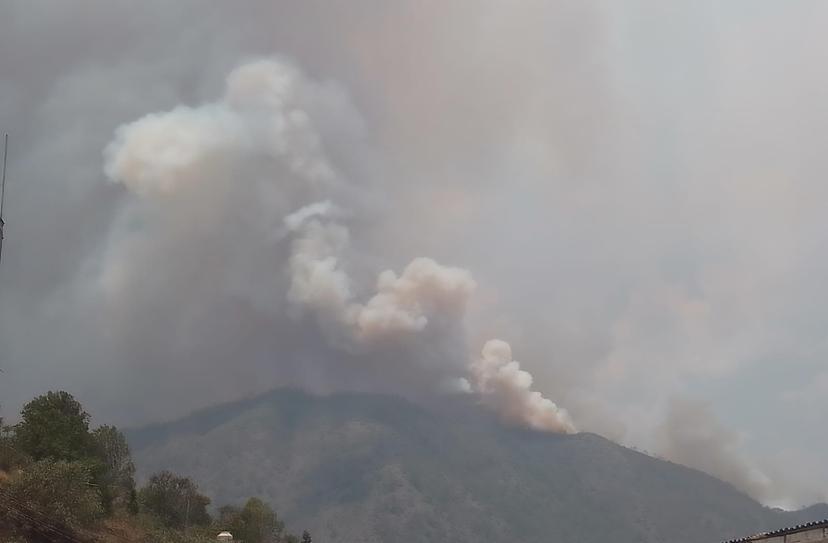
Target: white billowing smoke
155 155
506 388
402 303
265 112
317 280
253 170
402 307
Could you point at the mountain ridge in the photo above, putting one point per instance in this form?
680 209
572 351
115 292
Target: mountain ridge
359 467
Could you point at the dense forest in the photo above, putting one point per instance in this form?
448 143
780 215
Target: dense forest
61 480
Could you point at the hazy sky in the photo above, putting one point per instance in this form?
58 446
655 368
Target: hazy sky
636 188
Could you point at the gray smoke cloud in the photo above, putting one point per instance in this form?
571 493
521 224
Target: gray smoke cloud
635 187
691 435
272 114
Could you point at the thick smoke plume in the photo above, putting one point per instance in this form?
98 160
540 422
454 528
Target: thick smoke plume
508 389
263 140
401 305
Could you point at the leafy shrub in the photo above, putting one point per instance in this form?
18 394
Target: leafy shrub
59 490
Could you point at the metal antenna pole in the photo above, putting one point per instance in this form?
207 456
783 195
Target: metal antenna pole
3 185
3 189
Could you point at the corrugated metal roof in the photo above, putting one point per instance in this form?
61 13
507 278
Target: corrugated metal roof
783 531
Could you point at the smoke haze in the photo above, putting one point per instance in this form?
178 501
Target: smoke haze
205 202
691 435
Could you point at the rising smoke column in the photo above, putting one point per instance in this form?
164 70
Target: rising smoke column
401 306
257 159
507 389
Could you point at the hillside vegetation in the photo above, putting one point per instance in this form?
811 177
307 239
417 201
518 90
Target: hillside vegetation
61 481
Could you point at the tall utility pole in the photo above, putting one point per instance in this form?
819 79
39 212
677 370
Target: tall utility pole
3 190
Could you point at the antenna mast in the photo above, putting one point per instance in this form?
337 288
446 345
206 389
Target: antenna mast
3 185
3 189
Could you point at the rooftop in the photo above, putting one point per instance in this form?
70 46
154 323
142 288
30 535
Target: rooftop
783 531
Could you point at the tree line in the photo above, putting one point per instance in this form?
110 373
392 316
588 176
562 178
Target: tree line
54 466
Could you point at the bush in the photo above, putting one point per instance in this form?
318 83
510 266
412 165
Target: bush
59 490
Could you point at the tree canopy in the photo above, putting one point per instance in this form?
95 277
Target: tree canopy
54 426
115 472
174 500
256 522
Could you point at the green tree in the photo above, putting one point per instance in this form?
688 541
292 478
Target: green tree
132 506
306 537
116 472
54 426
174 501
57 489
258 522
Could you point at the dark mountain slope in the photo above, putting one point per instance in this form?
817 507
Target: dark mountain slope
363 468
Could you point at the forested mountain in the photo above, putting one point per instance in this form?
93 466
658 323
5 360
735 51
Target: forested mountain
367 468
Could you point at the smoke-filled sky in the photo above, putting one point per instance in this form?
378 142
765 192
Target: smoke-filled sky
208 200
